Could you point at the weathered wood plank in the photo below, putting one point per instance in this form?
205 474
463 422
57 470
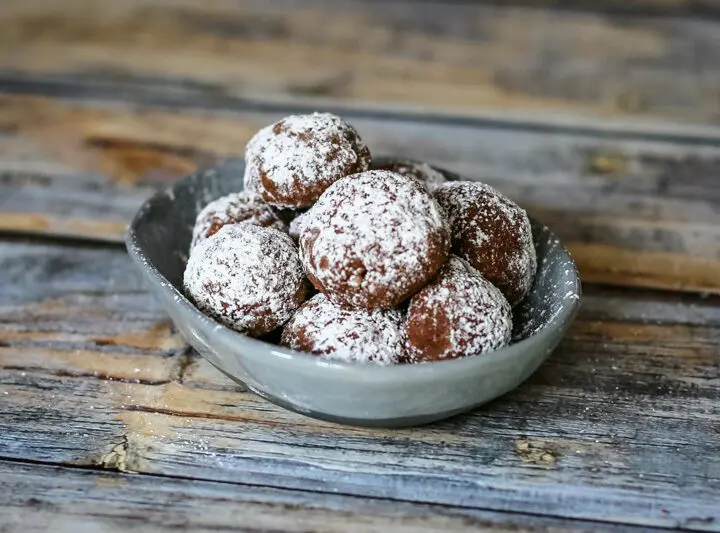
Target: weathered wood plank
669 8
635 209
579 440
40 497
459 55
499 459
56 317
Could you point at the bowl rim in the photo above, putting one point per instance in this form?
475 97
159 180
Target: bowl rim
249 346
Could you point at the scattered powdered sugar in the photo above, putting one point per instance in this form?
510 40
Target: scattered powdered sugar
290 163
351 335
373 239
552 293
536 319
458 314
491 232
234 208
424 173
247 277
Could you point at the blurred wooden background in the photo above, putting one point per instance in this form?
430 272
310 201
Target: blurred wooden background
644 58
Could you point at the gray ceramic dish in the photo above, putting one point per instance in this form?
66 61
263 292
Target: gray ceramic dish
366 395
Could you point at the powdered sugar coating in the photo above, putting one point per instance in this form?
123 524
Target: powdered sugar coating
373 239
290 163
492 233
458 314
296 226
242 207
422 172
351 335
247 277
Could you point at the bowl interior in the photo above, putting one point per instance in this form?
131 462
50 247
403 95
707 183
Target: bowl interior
162 230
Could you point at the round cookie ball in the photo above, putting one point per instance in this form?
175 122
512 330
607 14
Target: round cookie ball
290 163
422 172
492 233
458 314
246 277
373 240
235 208
352 335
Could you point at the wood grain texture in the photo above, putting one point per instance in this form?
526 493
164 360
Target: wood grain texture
669 8
40 497
635 208
581 439
459 55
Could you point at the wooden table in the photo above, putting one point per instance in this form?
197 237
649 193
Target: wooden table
601 119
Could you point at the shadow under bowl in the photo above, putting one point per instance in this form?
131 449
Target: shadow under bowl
364 395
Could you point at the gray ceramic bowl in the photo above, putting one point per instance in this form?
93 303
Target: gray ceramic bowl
366 395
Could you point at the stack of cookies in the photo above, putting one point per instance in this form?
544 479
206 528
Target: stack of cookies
351 261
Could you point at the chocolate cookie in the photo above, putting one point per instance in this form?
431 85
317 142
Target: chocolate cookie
247 277
352 335
422 172
492 233
234 208
373 240
458 314
290 163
